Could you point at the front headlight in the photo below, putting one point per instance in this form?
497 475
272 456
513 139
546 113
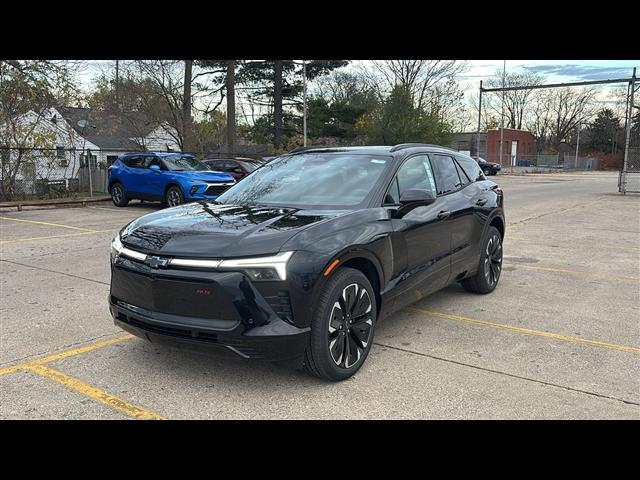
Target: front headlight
116 247
273 267
261 268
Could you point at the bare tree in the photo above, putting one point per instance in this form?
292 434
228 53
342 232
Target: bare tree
419 77
557 113
515 101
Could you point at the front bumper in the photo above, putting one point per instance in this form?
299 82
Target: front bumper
200 309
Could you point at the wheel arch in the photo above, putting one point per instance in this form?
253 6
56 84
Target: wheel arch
369 267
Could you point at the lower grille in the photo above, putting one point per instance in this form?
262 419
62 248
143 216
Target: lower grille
216 189
171 331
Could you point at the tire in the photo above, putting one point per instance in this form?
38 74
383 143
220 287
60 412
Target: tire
490 266
486 171
332 333
174 197
119 195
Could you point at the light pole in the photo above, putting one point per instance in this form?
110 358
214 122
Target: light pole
577 146
504 69
304 102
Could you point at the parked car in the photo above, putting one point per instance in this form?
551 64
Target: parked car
238 168
305 256
172 178
488 168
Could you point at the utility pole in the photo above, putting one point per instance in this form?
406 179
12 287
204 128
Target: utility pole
304 100
504 68
277 103
186 107
231 106
479 122
117 83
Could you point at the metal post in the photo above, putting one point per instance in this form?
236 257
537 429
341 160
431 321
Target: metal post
577 147
304 100
625 164
504 68
88 156
479 122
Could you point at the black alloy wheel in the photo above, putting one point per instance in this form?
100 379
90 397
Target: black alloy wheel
343 326
487 276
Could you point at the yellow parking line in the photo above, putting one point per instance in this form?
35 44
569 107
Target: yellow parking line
94 393
3 242
526 331
54 357
47 223
574 272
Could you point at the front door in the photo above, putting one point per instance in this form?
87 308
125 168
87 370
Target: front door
422 265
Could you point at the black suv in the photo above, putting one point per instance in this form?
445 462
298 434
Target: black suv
304 257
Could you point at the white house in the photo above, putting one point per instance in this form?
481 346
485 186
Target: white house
56 142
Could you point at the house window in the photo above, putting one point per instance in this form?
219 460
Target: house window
60 152
111 159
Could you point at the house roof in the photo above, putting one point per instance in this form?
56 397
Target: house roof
109 130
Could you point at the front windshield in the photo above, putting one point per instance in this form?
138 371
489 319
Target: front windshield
183 162
311 179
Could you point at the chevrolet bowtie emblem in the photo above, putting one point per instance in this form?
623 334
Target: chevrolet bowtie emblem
157 262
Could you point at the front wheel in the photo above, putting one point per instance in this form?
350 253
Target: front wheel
174 197
487 171
486 278
343 326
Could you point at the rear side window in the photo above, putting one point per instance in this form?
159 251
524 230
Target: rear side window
464 180
471 168
446 173
134 162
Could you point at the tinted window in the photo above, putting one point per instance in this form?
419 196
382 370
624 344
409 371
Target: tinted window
152 161
471 168
464 180
134 162
446 174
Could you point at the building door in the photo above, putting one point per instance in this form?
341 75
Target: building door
514 152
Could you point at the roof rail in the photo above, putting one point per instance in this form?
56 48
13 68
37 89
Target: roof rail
402 146
305 149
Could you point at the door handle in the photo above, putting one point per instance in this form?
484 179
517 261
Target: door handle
443 214
481 202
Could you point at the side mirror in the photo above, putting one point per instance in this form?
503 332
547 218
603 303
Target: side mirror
155 168
412 198
416 196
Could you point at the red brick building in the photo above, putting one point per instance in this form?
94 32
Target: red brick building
518 144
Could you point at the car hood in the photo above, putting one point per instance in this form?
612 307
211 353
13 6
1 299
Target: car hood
203 175
206 229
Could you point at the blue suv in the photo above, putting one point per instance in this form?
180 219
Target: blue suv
172 178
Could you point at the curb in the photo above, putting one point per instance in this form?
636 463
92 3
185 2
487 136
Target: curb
53 202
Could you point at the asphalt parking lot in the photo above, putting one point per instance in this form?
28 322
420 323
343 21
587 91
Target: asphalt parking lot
559 337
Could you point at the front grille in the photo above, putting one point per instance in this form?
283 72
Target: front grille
216 189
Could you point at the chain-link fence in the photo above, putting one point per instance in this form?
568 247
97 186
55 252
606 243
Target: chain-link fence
50 173
546 162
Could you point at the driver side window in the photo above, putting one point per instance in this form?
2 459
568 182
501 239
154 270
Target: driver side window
414 173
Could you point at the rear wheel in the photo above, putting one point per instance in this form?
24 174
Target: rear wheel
343 326
486 278
487 171
174 197
118 195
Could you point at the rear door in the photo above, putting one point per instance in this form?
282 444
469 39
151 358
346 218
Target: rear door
132 176
458 194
